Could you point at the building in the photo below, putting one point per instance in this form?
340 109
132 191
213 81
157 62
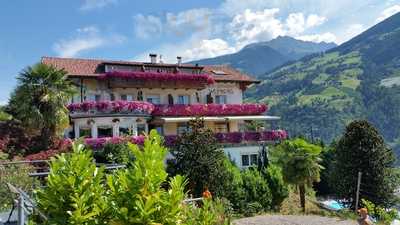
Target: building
118 98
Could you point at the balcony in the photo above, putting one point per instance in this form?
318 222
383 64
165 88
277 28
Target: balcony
239 138
91 108
138 79
102 108
209 110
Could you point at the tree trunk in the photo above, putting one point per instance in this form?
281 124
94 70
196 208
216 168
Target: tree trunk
302 192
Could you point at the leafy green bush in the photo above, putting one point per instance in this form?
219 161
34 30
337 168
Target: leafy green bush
382 215
16 175
75 192
136 194
232 187
279 189
114 153
256 188
211 213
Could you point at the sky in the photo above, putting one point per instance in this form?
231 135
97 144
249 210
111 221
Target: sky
130 29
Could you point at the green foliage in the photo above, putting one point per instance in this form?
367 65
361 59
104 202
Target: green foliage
39 100
324 187
300 163
232 188
75 192
3 115
114 153
200 159
362 149
256 189
211 213
136 193
279 189
382 215
16 175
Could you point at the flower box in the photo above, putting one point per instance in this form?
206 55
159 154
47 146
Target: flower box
209 110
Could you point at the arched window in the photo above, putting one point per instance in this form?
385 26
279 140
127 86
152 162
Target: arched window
170 99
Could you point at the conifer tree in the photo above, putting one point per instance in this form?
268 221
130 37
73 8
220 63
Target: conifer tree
362 149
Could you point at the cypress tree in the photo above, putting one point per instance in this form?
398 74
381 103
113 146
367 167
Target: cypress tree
362 149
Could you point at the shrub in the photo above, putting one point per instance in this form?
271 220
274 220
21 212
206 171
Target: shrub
16 175
114 153
211 213
382 215
136 194
279 189
232 188
75 193
256 188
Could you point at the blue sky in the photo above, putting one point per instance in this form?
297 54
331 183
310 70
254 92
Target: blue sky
130 30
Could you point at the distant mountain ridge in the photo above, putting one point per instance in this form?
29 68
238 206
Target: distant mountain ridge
257 58
320 93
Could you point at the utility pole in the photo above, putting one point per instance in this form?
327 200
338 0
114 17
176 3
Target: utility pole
358 190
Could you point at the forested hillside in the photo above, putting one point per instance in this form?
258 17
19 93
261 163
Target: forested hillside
319 94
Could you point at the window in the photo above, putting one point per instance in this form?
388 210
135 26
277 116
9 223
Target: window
221 127
125 130
97 98
85 132
141 129
250 159
253 159
126 97
155 99
112 97
245 160
183 99
170 99
220 99
182 128
105 131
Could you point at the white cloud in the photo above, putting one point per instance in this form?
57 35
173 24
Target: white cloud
388 13
233 7
96 4
192 48
208 48
193 20
324 37
147 26
86 38
252 26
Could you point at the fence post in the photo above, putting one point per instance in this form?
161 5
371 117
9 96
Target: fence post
358 190
21 213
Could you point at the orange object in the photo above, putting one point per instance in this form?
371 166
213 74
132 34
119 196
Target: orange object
207 194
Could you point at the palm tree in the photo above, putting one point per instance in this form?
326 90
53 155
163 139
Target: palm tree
300 164
39 100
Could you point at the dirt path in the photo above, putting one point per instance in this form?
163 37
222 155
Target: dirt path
292 220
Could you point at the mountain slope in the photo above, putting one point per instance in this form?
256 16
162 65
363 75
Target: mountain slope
260 57
319 94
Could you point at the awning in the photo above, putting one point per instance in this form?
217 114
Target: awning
218 118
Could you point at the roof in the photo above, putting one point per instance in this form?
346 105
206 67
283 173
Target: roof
94 67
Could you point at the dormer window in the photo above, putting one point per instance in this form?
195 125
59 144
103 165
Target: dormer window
218 72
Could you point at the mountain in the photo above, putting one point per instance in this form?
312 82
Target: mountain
257 58
320 93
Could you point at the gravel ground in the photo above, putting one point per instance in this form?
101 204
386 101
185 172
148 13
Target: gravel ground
292 220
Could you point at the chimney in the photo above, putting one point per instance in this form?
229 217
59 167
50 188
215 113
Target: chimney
153 58
179 58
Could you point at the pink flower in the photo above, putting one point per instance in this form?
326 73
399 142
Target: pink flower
209 110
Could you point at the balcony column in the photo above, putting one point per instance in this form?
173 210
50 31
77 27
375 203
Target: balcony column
134 128
76 130
115 128
94 129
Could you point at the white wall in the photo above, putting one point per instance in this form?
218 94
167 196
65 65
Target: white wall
236 152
